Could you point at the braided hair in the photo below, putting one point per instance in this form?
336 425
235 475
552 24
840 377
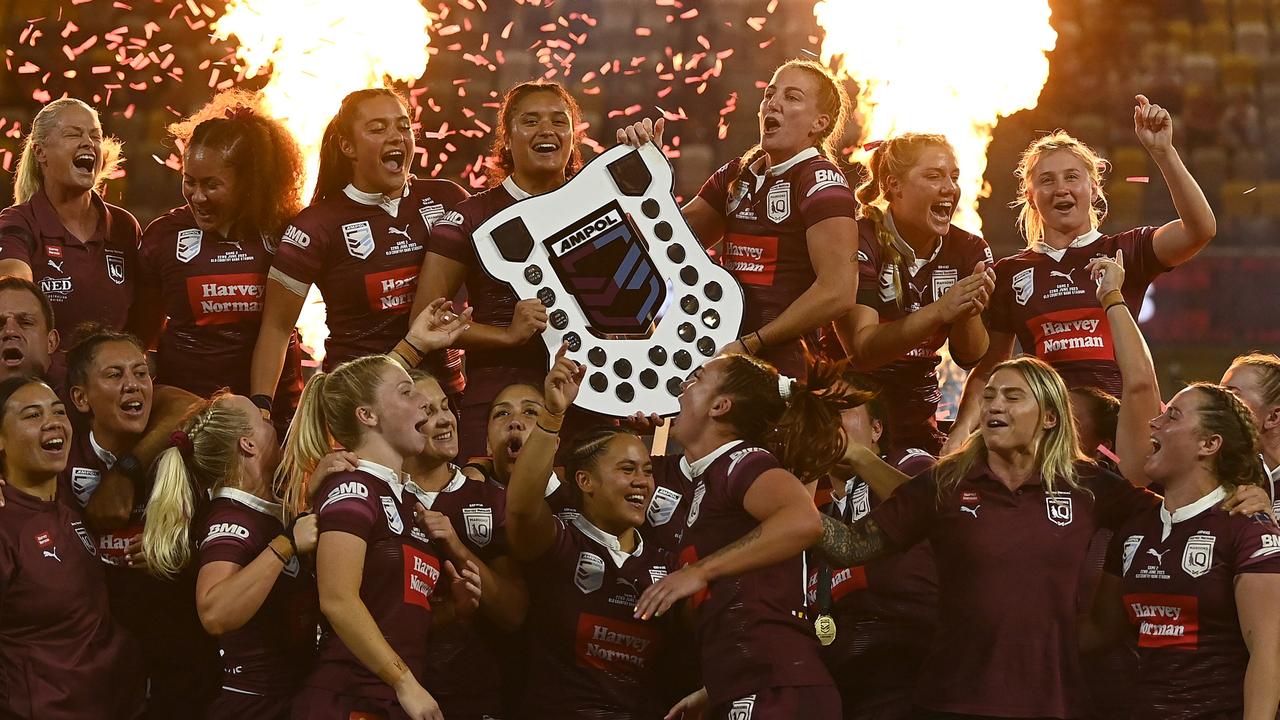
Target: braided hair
1224 414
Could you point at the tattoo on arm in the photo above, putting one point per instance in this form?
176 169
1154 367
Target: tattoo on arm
846 546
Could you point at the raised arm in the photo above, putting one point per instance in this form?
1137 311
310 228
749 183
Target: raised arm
281 308
228 595
505 598
531 528
999 349
435 328
879 475
1137 372
706 223
849 546
441 277
1178 241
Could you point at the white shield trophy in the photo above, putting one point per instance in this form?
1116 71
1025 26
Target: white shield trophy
625 282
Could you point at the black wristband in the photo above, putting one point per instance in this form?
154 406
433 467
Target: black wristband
288 532
262 401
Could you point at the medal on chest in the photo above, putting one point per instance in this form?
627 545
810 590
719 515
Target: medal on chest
825 628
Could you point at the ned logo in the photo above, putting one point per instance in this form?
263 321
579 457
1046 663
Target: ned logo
602 260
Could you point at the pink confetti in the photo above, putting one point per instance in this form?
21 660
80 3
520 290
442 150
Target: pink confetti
1138 179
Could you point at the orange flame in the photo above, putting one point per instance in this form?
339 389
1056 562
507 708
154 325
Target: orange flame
317 51
941 66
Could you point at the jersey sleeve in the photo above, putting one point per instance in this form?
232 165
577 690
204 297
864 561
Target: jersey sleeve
1116 500
1113 561
978 251
228 539
451 238
916 461
1257 546
868 267
1139 244
997 315
716 189
126 218
8 564
745 467
346 506
561 547
300 254
823 193
17 238
910 513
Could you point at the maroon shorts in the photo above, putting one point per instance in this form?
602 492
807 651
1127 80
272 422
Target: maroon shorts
231 705
317 704
817 702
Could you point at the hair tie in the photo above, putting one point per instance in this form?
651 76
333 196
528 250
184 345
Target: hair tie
239 112
784 386
872 145
181 440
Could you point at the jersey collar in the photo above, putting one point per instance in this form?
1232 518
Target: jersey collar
905 250
1082 241
776 170
697 467
389 203
514 190
1208 502
385 474
106 456
251 501
428 498
609 541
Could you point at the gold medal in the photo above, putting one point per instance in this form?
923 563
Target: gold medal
825 627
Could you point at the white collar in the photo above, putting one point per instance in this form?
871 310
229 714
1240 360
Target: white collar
1273 473
699 466
553 484
106 456
1187 512
904 248
514 190
251 501
387 202
385 474
610 542
428 498
1056 254
776 170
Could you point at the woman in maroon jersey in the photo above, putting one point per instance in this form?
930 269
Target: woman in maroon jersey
250 591
588 657
1038 300
1196 586
81 251
785 215
204 265
62 656
376 571
467 518
922 282
535 150
1255 377
751 436
360 242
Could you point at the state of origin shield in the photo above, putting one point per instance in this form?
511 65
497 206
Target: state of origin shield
625 282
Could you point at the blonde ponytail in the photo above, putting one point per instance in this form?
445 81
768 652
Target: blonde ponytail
166 537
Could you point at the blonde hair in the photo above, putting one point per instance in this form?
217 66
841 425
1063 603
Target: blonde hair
1029 218
28 179
832 100
1056 452
214 429
327 413
893 157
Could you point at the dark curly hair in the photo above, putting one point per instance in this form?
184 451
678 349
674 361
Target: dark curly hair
500 163
261 151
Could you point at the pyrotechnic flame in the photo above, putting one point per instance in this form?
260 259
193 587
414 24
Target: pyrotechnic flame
941 66
317 51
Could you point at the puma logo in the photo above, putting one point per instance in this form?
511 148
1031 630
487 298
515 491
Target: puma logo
1064 275
398 231
1159 556
53 554
971 510
56 265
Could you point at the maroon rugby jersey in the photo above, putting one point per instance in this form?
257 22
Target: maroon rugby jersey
910 383
180 657
211 289
588 656
1178 573
85 281
765 244
886 611
1009 564
463 667
751 628
62 655
364 256
1046 299
271 653
493 303
401 569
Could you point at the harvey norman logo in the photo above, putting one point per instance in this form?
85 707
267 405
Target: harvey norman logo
586 231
